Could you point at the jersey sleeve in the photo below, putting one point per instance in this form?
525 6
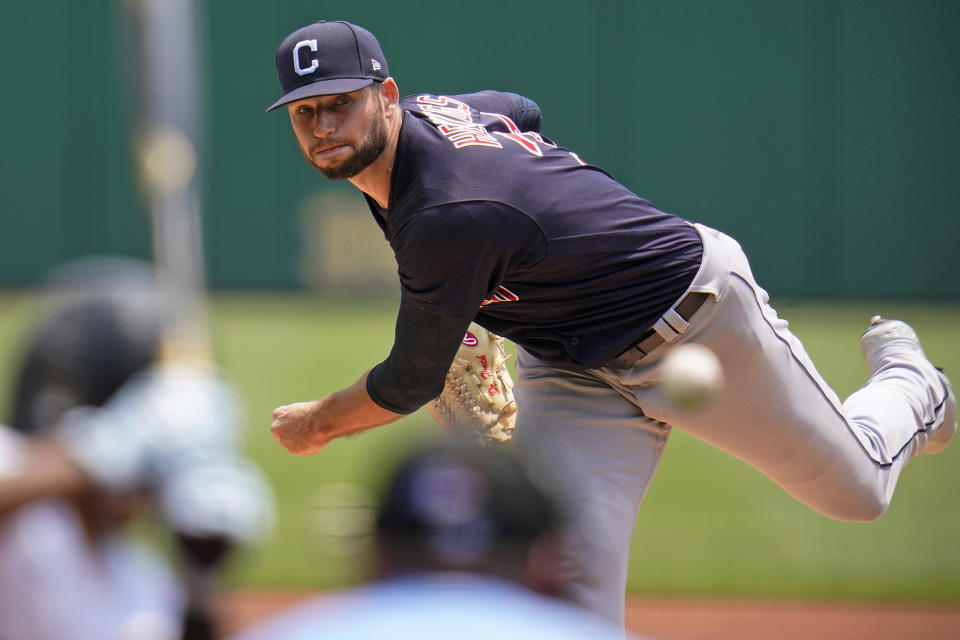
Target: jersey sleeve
450 259
453 257
415 371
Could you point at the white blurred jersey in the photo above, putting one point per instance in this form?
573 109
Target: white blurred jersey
54 584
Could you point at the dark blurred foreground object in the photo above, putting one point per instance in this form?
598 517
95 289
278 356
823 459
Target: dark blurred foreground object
457 506
466 547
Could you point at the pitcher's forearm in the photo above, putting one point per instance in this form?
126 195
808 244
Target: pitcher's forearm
303 428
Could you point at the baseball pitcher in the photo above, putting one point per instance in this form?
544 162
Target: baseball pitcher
494 223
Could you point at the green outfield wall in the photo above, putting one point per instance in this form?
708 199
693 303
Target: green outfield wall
823 134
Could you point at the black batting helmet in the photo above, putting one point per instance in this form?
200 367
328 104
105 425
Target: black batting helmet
104 324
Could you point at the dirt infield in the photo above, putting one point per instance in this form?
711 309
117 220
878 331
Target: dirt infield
663 619
679 619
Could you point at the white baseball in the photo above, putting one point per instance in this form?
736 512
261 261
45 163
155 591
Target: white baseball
691 376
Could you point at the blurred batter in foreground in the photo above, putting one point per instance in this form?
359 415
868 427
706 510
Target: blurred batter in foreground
102 433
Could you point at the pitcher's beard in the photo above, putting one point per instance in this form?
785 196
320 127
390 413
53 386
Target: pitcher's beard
368 150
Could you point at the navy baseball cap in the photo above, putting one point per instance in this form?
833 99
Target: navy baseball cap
327 58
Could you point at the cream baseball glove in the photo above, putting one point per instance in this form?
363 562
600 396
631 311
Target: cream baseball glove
477 399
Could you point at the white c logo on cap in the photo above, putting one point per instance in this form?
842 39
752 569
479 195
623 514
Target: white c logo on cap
296 57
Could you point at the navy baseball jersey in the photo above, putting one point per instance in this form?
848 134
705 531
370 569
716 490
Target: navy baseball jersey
492 222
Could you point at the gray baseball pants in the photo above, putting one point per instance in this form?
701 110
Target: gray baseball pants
596 437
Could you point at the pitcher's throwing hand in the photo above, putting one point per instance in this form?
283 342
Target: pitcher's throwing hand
296 427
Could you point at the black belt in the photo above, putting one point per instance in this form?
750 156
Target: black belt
652 338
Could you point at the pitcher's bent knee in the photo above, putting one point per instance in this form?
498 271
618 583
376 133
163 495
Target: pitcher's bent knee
841 499
858 506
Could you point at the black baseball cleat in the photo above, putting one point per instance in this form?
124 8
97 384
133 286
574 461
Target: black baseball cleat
894 334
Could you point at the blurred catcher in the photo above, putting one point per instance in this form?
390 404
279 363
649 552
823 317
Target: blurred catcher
100 429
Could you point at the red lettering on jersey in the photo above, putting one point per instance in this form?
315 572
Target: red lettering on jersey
448 113
528 140
446 107
438 120
522 141
452 118
505 120
439 101
468 135
502 294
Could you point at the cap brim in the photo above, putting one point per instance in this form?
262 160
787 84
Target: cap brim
322 88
